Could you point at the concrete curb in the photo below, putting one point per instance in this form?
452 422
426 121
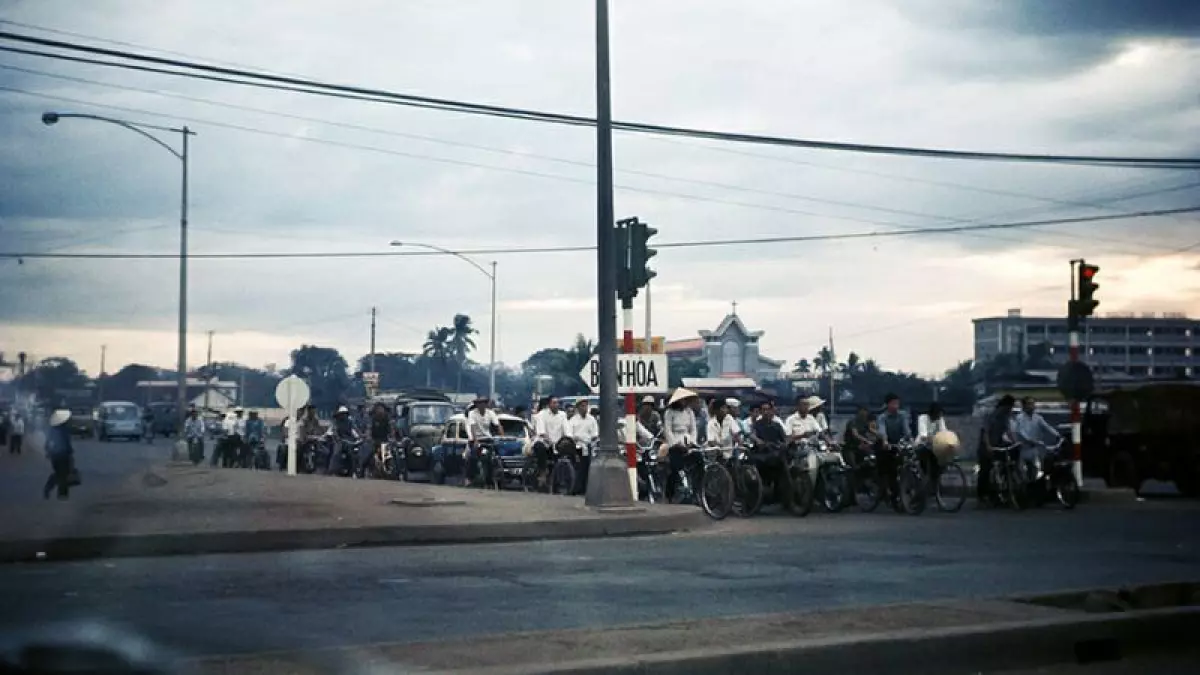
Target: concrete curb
122 546
1079 638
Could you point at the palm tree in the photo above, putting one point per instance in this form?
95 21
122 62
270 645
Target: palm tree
852 364
437 346
824 360
461 343
802 367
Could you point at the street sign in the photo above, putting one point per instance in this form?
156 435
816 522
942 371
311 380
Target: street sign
1075 381
292 394
636 374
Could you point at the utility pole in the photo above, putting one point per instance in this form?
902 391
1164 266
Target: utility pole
832 378
242 390
100 378
208 373
372 339
608 484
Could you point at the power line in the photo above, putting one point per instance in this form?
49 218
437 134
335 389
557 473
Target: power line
571 179
943 183
576 249
316 87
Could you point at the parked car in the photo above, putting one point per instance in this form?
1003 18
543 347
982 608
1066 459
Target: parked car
164 418
118 419
448 459
513 444
420 425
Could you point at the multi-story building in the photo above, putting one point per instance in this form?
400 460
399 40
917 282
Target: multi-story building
1143 345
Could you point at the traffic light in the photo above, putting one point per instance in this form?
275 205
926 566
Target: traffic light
640 254
625 290
1086 305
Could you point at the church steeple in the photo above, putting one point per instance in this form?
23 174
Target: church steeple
734 312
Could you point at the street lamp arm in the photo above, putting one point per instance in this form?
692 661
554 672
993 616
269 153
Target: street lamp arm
447 251
136 128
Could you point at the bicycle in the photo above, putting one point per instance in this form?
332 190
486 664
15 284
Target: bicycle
703 470
911 479
1007 477
747 482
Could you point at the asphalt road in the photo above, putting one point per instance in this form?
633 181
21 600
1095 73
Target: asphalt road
253 602
100 465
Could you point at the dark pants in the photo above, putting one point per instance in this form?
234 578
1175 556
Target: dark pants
676 462
885 463
14 443
60 477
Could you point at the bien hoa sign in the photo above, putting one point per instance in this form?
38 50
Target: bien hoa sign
636 374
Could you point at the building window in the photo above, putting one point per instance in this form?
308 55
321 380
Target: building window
1187 332
1149 332
731 358
1149 351
1187 351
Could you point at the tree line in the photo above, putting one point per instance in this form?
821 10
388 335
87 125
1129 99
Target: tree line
446 362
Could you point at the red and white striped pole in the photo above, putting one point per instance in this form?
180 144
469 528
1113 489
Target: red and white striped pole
631 452
1076 414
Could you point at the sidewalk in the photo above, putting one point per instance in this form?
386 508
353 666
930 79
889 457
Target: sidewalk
180 509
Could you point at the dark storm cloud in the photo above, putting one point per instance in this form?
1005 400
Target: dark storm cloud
1104 19
1042 39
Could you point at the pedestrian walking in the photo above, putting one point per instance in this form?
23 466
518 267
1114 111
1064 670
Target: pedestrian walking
16 435
60 454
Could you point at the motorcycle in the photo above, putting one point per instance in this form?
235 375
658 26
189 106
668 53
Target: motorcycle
648 471
489 472
385 461
563 473
829 472
259 458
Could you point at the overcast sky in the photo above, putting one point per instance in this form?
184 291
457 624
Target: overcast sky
1070 77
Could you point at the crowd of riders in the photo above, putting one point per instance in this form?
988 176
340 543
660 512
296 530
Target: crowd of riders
685 423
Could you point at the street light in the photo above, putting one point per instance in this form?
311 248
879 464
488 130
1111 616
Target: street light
492 278
51 118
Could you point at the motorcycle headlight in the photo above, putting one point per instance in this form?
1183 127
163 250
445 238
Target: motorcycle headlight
653 455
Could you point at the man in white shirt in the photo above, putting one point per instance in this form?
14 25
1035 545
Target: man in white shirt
550 425
481 424
584 428
1031 430
723 430
801 424
481 421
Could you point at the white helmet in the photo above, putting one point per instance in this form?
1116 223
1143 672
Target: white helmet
343 409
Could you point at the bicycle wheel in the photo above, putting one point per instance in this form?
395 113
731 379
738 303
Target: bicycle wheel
716 491
749 490
951 491
1018 495
833 488
867 492
562 480
801 484
1067 491
912 490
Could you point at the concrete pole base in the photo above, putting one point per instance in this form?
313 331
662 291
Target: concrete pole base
608 483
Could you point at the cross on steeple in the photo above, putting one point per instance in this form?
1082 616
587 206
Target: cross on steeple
735 307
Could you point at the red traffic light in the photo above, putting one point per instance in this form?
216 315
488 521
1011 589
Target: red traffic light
1088 271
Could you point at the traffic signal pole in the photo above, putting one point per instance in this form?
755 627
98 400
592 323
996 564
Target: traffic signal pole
607 485
1082 305
631 451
